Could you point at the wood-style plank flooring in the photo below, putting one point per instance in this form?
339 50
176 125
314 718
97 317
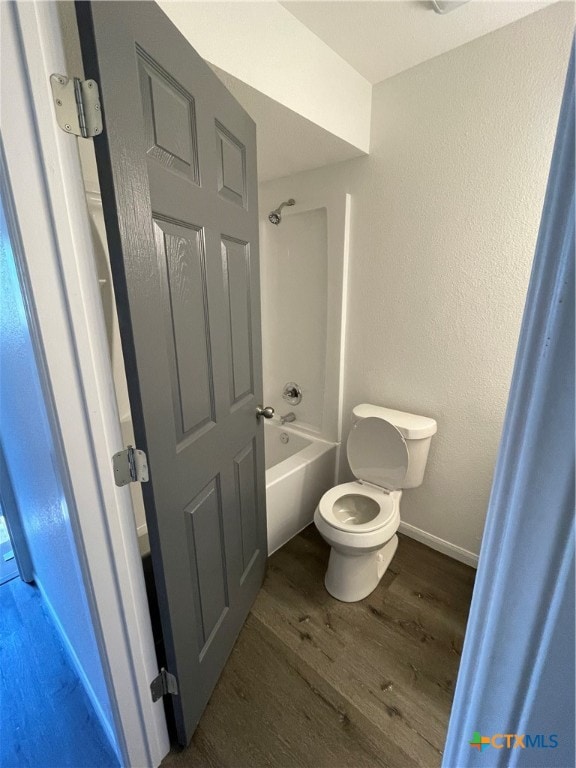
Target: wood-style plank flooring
46 718
314 682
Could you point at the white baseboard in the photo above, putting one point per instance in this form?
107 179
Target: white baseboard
78 668
440 545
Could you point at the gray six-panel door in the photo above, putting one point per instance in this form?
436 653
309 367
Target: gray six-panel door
177 166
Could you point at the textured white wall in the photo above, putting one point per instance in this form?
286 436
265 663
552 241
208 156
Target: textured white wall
445 215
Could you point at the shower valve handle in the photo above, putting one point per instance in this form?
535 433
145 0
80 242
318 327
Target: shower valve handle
266 412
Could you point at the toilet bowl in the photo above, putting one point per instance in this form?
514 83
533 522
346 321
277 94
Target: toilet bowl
387 450
360 523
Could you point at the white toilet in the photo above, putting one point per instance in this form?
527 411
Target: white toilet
387 451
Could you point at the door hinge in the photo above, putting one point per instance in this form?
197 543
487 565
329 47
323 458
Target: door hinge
164 684
77 105
130 466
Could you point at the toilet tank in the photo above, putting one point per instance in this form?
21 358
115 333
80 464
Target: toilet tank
416 430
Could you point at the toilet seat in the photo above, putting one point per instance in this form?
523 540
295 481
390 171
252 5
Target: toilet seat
377 453
385 507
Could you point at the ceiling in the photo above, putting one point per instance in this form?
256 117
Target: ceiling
380 38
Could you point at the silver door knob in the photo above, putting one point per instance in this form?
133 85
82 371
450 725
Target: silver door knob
266 412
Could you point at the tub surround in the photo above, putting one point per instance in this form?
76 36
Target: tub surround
304 277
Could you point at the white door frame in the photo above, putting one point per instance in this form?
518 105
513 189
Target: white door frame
48 191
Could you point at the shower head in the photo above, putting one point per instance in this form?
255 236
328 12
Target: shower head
275 217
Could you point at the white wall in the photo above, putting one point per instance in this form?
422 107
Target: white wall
445 215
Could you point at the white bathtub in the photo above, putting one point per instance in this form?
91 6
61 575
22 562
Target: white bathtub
298 472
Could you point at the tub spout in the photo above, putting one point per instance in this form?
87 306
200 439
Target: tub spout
288 418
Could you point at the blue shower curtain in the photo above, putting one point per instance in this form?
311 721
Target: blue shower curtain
514 700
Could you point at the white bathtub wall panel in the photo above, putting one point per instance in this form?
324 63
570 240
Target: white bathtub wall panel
444 225
296 321
304 263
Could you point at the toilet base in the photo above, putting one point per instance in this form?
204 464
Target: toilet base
350 578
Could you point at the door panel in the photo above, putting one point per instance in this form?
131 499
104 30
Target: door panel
236 272
182 265
177 167
169 119
231 166
205 524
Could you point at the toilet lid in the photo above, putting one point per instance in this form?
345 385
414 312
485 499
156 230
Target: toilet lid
377 453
